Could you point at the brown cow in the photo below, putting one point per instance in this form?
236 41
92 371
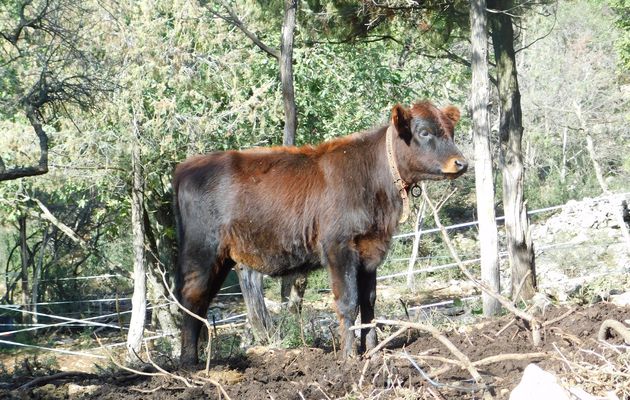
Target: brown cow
284 210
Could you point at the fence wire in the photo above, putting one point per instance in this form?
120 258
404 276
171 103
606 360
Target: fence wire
91 321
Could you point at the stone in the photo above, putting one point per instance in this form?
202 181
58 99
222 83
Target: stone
540 385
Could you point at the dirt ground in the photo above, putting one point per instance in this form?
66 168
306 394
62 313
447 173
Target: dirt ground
569 346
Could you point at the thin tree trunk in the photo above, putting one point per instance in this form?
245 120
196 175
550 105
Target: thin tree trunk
286 71
591 149
596 167
484 186
293 286
166 316
25 259
563 167
520 248
257 313
37 274
139 297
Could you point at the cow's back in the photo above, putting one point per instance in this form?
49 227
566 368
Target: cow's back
259 208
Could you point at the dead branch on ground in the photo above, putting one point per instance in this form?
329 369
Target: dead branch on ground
463 360
54 377
612 325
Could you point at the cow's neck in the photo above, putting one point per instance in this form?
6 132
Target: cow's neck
393 168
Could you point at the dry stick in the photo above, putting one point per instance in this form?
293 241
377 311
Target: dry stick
147 391
520 285
485 361
134 371
464 360
611 324
535 325
382 344
332 335
363 371
512 321
61 375
560 318
509 357
445 385
162 370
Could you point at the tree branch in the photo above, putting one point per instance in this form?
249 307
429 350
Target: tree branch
42 167
234 20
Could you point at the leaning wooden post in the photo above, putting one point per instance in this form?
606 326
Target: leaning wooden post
416 244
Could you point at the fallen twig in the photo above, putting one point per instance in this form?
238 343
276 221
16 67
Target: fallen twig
147 391
61 375
485 361
384 342
472 388
464 360
560 318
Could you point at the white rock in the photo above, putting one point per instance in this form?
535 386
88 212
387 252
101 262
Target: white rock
540 385
621 299
75 390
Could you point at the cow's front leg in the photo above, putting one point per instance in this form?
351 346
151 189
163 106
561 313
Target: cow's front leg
343 265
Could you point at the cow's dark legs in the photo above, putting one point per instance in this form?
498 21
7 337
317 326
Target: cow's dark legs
201 282
343 264
367 298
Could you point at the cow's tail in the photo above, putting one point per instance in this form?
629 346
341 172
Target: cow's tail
179 238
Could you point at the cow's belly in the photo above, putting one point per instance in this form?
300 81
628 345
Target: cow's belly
275 264
265 251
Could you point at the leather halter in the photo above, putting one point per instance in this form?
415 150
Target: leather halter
400 184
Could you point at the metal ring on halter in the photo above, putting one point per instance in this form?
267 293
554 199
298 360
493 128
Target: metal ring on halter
415 190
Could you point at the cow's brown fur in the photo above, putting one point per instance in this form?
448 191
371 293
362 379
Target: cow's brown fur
284 210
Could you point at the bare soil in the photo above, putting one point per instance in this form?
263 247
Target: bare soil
571 348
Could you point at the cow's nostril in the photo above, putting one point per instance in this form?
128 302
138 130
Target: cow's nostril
461 165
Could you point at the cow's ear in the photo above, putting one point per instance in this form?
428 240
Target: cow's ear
401 118
452 113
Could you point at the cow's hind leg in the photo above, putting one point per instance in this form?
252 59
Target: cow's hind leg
203 275
343 264
367 298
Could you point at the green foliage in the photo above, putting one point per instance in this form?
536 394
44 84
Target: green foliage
622 20
570 88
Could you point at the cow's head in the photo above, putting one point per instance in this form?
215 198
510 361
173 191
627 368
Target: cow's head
424 147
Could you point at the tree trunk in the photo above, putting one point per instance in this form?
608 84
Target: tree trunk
520 248
37 274
257 313
591 149
138 300
293 286
42 166
292 291
25 259
286 71
167 316
596 167
484 186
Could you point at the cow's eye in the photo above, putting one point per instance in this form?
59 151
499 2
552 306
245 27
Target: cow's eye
424 133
